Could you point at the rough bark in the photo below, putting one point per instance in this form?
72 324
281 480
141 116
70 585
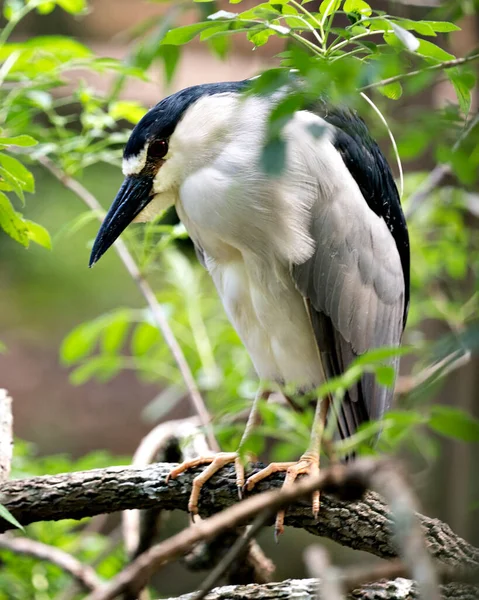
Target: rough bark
362 525
307 589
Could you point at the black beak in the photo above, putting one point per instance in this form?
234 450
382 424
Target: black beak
133 196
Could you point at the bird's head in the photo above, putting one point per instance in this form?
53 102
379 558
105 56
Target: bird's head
179 135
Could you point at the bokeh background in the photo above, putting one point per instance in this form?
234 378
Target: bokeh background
44 295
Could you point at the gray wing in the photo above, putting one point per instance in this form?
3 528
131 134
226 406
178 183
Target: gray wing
354 287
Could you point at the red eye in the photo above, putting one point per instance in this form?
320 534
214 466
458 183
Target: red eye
158 149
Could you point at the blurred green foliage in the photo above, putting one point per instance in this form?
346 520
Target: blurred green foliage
342 51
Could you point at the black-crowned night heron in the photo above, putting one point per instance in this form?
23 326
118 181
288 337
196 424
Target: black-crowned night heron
312 265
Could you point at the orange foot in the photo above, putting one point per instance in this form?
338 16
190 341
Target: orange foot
306 465
215 462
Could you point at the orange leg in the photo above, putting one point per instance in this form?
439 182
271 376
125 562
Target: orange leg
216 461
308 465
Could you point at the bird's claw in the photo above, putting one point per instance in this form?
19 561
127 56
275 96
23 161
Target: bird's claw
215 462
308 465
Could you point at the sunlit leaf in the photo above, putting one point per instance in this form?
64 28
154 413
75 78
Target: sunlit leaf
357 6
430 50
145 336
38 234
128 110
115 332
19 140
328 7
442 26
182 35
18 172
391 90
381 354
73 6
11 222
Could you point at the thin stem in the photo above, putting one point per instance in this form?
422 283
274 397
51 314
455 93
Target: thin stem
449 64
391 137
306 12
340 45
306 43
128 261
310 27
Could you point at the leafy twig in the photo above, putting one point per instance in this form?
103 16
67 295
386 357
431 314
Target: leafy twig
147 292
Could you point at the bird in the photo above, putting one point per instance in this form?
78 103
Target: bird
311 264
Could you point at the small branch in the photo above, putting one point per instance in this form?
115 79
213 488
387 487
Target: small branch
83 574
147 292
307 589
6 434
448 64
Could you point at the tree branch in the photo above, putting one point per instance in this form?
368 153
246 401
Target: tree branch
364 525
307 589
148 294
448 64
83 574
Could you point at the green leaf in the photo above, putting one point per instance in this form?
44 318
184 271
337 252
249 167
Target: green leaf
430 50
114 334
455 423
103 368
442 26
391 90
182 35
73 6
220 45
463 83
127 109
328 7
381 354
38 234
19 140
171 56
7 515
145 336
80 342
357 6
385 375
421 27
12 222
18 172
